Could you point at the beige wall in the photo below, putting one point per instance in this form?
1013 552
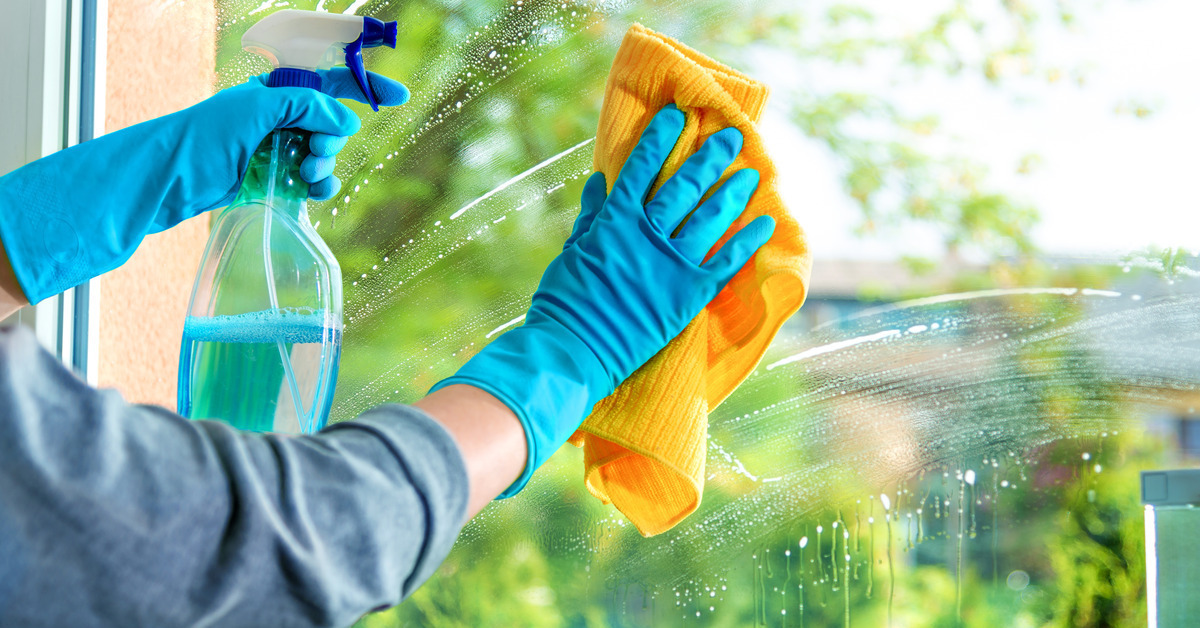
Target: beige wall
143 303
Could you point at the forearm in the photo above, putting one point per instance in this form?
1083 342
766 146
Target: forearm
112 514
12 298
488 434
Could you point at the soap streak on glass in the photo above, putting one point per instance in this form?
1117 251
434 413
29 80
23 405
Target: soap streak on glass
975 386
452 206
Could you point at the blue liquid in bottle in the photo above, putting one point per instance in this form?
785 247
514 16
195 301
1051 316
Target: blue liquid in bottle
263 371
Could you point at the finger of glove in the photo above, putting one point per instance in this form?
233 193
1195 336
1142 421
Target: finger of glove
647 158
738 250
314 168
708 223
324 189
340 83
303 108
594 193
323 145
679 196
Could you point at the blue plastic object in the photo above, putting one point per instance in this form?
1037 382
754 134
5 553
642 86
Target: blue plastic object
375 33
293 77
622 287
379 33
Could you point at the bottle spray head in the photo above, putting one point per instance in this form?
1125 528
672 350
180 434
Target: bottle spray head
297 43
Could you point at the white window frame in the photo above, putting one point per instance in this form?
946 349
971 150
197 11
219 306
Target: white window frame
54 52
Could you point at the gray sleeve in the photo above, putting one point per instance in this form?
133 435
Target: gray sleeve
114 514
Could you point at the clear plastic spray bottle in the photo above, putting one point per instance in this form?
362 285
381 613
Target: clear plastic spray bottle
263 334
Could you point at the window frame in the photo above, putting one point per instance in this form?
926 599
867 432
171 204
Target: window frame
57 53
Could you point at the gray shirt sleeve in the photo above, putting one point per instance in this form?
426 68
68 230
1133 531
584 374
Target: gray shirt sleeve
114 514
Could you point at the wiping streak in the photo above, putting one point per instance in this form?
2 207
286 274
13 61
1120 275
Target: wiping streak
262 7
353 9
834 346
737 465
982 294
505 326
524 175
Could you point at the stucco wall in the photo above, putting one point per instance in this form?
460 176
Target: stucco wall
143 303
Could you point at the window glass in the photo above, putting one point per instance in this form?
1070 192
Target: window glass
951 429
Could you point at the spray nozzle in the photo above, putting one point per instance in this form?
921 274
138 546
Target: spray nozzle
299 42
378 33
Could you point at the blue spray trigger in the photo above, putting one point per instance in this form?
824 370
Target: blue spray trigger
354 61
375 33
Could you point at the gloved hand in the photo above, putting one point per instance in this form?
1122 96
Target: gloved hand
82 211
622 287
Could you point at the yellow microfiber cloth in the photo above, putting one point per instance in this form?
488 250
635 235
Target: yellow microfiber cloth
644 446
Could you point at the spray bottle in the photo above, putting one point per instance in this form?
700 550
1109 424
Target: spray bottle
263 335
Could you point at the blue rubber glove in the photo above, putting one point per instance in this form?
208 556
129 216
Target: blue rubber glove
82 211
622 287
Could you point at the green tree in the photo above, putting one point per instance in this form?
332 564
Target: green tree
453 205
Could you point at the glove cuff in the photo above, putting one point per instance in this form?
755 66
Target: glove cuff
42 245
547 377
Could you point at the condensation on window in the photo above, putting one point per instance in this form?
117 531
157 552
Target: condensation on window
967 456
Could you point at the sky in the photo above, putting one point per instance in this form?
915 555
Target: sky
1106 182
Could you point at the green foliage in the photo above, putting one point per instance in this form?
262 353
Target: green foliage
1098 557
499 88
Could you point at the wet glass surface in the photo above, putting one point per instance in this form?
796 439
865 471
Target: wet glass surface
950 431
